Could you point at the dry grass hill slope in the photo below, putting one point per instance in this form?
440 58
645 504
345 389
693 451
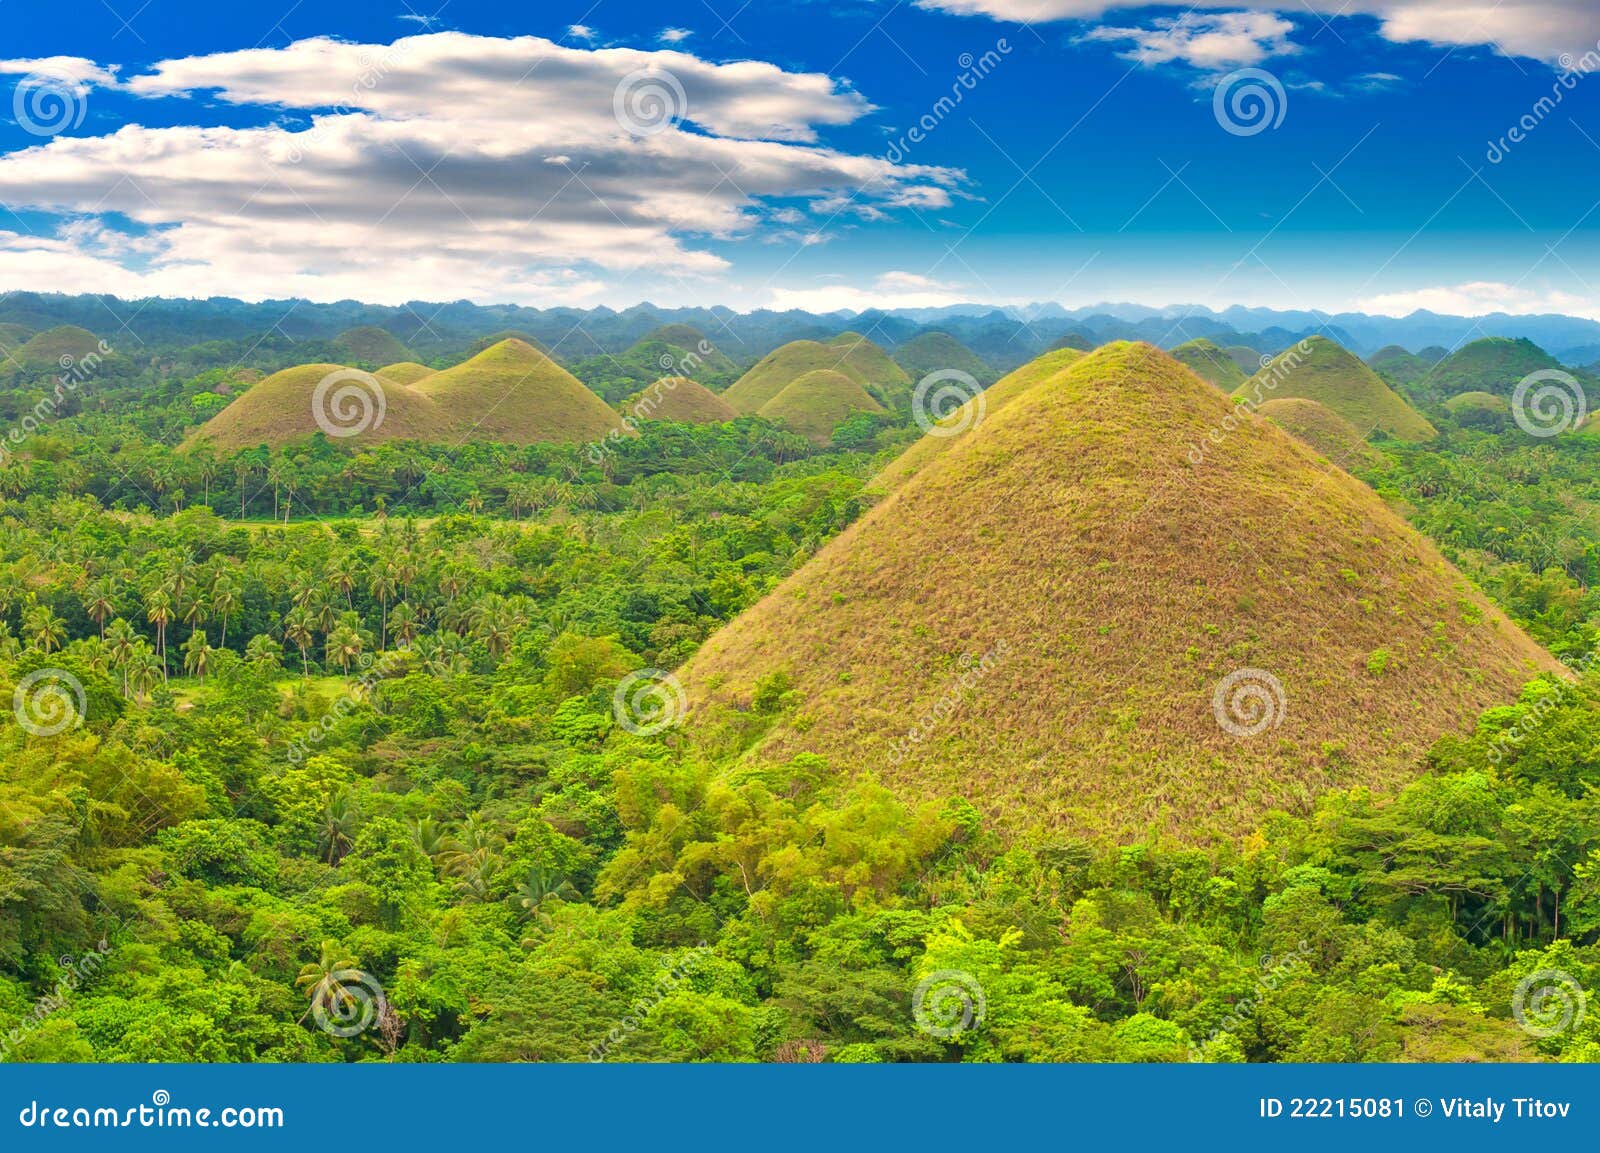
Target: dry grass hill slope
1210 363
512 392
285 407
1065 620
849 353
873 369
1320 370
45 351
937 351
969 417
371 345
1323 429
405 372
679 399
816 403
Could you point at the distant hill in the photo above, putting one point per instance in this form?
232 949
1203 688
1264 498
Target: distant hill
1494 365
1479 410
1248 359
1320 370
370 345
1214 641
1397 365
285 408
849 353
696 350
1210 363
817 402
405 372
484 343
1076 341
1323 429
680 399
44 352
935 351
513 392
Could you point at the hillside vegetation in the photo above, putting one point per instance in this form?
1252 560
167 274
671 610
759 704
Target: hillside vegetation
1040 618
937 351
816 403
1210 363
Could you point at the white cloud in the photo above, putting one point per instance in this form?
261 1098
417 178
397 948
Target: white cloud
74 70
1213 43
890 290
440 167
580 32
1541 29
1478 298
675 35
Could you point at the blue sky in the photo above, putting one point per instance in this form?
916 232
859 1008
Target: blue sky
488 151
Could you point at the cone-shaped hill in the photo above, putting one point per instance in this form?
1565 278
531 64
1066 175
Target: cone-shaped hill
1495 364
937 351
1051 616
405 372
1398 365
816 403
1210 363
691 341
1320 370
678 398
512 392
370 344
1247 358
850 353
1323 429
284 408
46 351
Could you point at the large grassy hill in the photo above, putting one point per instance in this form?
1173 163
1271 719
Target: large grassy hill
873 369
816 403
678 398
1495 364
774 372
405 372
47 350
1398 365
282 409
371 345
1041 618
1320 370
689 342
1323 429
513 392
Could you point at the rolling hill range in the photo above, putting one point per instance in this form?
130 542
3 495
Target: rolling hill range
1210 363
816 403
1054 615
1320 370
405 372
282 409
513 393
678 398
936 351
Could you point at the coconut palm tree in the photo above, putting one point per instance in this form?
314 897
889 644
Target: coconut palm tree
540 890
264 653
158 611
100 602
120 640
197 654
298 631
45 631
339 821
144 670
321 980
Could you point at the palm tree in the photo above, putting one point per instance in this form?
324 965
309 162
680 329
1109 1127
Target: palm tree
343 645
224 604
264 653
44 630
542 888
341 574
297 630
381 584
100 602
429 836
198 612
338 827
158 611
143 670
321 980
405 622
120 640
197 654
